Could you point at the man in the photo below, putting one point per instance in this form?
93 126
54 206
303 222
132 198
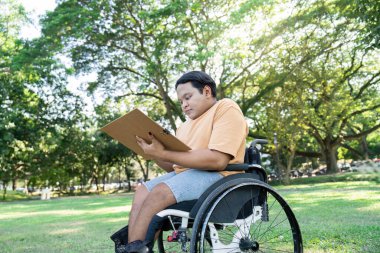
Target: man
215 131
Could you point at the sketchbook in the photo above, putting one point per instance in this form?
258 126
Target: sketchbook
136 123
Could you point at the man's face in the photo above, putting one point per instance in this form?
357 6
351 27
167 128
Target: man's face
194 103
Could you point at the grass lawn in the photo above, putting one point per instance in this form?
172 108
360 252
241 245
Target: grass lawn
333 216
337 217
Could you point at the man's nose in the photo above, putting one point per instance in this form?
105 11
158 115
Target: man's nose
184 105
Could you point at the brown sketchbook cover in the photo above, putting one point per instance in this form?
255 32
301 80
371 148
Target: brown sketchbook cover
136 123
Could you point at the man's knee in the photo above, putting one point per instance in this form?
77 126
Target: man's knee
160 197
141 190
161 193
141 194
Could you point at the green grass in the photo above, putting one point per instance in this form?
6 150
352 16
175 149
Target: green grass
340 177
13 195
72 224
333 216
337 216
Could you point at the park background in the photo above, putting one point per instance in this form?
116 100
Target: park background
305 73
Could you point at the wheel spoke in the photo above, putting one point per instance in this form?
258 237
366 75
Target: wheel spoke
276 236
271 228
257 229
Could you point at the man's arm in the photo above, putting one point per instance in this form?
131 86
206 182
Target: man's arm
204 159
167 166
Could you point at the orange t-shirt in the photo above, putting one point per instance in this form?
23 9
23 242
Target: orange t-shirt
222 128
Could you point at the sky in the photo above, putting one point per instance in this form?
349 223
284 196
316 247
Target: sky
35 8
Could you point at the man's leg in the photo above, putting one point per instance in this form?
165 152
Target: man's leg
157 200
138 200
140 195
161 196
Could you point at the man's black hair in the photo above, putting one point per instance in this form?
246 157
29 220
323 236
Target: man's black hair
199 80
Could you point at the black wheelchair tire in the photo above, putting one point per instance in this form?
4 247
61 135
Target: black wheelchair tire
160 242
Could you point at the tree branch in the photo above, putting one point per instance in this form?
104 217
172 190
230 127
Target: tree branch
112 67
308 154
366 132
367 84
245 69
357 152
345 120
316 133
139 94
131 51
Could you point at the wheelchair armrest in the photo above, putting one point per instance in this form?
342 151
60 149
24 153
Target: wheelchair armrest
237 167
259 141
248 168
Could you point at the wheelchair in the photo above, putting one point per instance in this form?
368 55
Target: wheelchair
239 213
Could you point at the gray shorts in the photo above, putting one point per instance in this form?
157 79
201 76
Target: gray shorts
186 185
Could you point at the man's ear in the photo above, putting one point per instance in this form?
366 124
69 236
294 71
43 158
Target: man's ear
207 90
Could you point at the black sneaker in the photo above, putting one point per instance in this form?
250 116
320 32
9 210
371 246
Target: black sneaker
120 238
137 247
120 248
121 235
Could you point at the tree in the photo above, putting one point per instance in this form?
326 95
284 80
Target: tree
318 50
367 12
113 153
17 102
304 52
34 102
284 121
339 88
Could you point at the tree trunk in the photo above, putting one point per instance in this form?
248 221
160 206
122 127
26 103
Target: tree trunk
96 183
5 184
166 99
26 186
280 167
145 171
104 183
128 174
289 167
364 146
14 183
119 172
146 174
329 153
277 157
286 178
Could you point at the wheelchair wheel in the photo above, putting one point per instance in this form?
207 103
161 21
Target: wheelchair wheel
264 222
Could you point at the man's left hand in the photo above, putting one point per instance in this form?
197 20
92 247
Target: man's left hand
153 149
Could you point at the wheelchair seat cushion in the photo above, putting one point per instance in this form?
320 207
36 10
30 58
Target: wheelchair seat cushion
183 206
